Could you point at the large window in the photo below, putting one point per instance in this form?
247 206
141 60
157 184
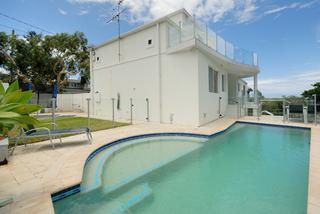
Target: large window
222 82
210 79
213 80
215 84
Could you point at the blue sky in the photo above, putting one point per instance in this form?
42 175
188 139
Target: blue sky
285 34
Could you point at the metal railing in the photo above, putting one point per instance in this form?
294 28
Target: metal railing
192 29
303 110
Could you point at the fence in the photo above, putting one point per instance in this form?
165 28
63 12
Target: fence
72 102
64 102
303 110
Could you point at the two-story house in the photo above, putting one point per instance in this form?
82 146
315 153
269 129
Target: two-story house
171 70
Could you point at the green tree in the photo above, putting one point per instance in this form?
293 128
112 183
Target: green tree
314 90
13 49
38 59
69 55
44 60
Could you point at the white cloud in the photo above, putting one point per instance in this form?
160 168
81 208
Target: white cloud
247 12
289 85
62 12
83 12
282 8
214 10
308 4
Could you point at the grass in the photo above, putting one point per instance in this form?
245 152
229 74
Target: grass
74 122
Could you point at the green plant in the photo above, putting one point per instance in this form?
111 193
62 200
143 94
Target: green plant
14 109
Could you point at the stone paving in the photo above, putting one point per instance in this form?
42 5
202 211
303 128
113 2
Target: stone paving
36 171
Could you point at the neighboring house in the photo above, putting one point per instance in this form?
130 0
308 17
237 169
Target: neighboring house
172 70
74 85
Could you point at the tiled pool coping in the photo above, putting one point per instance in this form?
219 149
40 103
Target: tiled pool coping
37 170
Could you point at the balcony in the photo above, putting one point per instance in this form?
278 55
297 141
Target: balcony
191 29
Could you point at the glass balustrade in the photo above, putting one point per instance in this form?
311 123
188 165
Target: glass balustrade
189 29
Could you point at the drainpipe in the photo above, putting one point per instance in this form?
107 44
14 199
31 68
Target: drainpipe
160 73
220 107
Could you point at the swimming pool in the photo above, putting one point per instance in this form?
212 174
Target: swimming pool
246 169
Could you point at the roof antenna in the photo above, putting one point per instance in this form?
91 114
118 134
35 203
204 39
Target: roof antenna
117 18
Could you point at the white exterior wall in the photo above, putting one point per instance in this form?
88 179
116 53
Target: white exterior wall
135 77
180 88
176 84
73 102
208 101
137 80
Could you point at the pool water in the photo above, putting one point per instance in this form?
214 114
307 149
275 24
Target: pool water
247 169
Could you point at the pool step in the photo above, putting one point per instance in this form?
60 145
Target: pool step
128 199
120 171
123 163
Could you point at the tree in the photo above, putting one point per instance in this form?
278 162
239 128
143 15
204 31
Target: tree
44 60
39 70
69 54
11 50
314 90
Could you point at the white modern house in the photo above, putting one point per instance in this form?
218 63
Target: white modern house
171 70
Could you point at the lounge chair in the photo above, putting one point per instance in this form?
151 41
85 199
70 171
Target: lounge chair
33 132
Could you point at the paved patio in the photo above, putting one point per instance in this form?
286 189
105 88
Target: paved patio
36 171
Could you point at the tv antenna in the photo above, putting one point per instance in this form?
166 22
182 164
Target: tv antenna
116 17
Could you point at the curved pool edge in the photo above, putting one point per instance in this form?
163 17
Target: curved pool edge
58 195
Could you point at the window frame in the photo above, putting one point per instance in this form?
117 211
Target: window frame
215 81
223 82
210 80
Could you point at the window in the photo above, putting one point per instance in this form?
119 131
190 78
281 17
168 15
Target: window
149 43
213 80
222 83
210 78
98 58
